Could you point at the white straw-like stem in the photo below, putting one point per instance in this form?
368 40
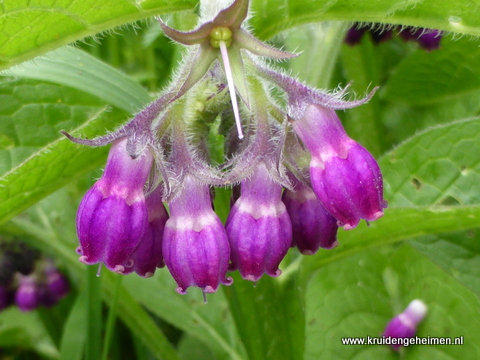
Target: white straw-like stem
231 87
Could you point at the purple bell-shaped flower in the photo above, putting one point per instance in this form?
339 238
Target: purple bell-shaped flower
112 217
344 175
312 226
258 227
195 244
405 324
148 256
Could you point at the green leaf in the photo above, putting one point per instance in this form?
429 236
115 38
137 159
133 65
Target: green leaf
24 330
398 224
32 115
37 160
436 167
188 312
359 295
78 70
31 28
269 317
192 348
270 18
432 77
457 253
75 331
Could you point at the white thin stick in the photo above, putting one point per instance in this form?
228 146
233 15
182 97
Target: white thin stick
231 87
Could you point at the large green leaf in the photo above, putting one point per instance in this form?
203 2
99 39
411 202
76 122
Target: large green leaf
25 331
188 312
356 297
437 76
35 158
76 69
31 28
269 316
457 253
437 167
272 16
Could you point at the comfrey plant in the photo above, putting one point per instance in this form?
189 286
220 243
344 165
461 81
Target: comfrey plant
162 156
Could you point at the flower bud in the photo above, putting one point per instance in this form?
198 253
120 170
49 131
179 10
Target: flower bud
195 244
27 296
148 256
405 324
258 227
344 175
56 283
312 226
112 217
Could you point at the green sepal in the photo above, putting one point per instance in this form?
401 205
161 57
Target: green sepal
248 42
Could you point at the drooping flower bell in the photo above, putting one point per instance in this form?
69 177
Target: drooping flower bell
258 227
313 226
344 175
112 217
195 244
148 255
405 324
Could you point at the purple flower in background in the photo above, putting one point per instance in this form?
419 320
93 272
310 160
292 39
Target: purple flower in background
312 226
27 295
56 283
258 227
112 217
148 256
195 244
355 34
428 39
405 324
344 175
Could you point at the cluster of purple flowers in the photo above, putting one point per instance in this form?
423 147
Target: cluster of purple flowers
297 176
427 39
27 280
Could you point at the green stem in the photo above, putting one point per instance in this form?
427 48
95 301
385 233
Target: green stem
94 315
112 316
319 45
